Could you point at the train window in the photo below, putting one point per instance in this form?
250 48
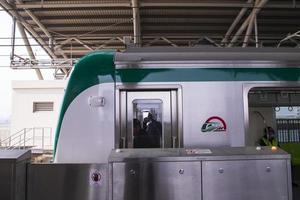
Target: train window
147 123
288 124
278 108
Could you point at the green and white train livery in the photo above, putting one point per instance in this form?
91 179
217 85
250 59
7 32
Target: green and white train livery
172 98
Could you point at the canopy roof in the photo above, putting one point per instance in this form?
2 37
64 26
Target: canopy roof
72 28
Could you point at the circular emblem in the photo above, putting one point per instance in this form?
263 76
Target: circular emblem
214 124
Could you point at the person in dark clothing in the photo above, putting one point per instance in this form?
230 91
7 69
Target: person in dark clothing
136 127
140 138
145 122
269 138
154 131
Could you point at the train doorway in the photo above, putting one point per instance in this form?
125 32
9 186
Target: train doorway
149 119
278 108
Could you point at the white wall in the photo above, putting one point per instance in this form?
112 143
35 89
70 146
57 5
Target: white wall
24 93
4 131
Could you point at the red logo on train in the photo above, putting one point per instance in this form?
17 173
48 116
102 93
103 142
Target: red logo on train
214 124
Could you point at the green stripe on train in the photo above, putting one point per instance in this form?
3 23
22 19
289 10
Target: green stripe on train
98 67
207 74
94 68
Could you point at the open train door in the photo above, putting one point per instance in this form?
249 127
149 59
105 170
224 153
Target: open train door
149 119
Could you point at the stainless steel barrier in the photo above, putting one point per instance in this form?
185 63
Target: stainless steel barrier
227 173
207 174
67 182
13 174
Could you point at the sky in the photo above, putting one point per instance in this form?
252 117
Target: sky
6 73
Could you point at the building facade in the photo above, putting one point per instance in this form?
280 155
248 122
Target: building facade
35 111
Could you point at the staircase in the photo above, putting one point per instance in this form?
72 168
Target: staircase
38 139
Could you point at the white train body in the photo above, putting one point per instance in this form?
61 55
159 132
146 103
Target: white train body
200 96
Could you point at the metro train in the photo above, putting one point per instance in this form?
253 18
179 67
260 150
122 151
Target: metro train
202 97
168 124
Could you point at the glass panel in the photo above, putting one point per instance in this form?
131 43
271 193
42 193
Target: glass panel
288 124
275 111
147 123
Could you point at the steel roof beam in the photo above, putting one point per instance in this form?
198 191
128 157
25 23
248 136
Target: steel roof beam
12 11
44 29
152 41
235 22
88 4
256 32
106 43
29 49
63 43
149 37
212 41
169 41
27 26
121 40
34 5
250 25
283 4
289 37
83 44
84 51
247 22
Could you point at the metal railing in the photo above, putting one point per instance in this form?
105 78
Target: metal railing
21 63
29 138
288 130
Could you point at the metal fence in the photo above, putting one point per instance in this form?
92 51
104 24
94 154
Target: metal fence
288 130
34 138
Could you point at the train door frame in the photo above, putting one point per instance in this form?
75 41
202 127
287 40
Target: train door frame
120 89
249 86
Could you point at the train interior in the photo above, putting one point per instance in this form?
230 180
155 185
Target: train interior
277 110
149 119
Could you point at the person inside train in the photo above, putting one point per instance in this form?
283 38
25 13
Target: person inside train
145 123
269 138
136 127
139 136
154 131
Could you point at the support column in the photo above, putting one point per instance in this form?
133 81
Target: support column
136 23
13 40
256 32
